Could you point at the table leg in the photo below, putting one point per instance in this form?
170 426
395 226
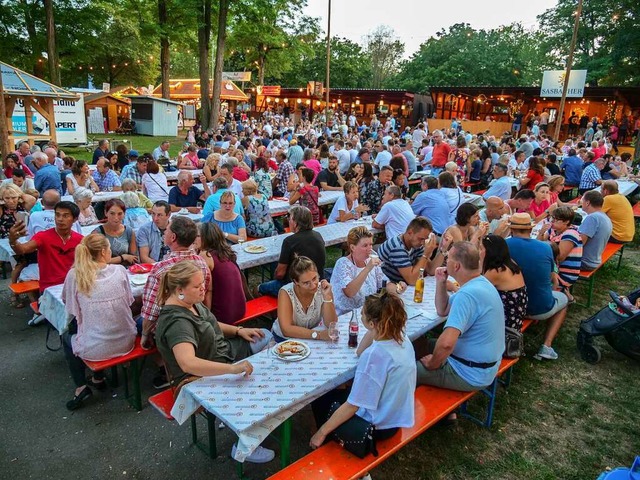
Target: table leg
285 443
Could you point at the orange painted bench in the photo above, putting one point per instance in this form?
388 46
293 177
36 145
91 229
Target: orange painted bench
332 462
25 287
163 403
258 307
589 275
636 210
133 358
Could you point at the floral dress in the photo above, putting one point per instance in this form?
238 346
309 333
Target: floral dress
259 224
515 306
263 179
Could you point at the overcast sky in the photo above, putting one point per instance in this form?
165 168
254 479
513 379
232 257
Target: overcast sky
414 20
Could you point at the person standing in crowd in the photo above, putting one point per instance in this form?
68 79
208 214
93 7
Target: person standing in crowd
440 153
535 258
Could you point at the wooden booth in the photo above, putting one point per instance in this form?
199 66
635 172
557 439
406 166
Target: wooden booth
25 96
115 110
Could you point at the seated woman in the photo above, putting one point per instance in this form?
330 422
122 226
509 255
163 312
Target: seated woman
467 227
121 238
112 159
399 179
80 176
154 183
135 216
256 205
541 206
13 201
98 295
129 185
347 208
506 276
535 174
359 274
309 160
354 174
189 160
228 301
304 304
385 379
210 169
82 197
230 223
194 344
569 258
307 194
11 162
241 170
262 177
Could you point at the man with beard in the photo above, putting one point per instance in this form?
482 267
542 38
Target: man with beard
330 178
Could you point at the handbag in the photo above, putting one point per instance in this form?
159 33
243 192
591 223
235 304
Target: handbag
513 343
356 435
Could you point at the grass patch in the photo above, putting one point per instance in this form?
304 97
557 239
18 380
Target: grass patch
141 143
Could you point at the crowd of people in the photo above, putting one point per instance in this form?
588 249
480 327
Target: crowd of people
195 291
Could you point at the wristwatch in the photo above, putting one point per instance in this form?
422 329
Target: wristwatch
226 235
314 334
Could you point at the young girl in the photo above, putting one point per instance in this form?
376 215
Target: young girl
385 379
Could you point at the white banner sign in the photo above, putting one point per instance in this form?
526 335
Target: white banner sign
553 83
237 76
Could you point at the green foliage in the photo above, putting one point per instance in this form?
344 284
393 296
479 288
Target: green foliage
384 50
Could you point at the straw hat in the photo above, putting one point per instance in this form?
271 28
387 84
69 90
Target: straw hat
521 221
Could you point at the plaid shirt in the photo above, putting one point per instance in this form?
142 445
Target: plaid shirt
150 307
285 170
589 177
131 171
106 181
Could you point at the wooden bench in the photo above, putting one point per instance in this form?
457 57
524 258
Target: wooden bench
25 287
132 358
588 276
258 307
432 404
163 403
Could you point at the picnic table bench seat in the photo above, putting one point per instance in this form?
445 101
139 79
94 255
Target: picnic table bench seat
331 461
636 210
588 276
258 307
25 287
133 359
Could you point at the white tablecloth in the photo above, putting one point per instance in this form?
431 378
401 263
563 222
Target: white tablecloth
97 197
255 406
171 176
625 187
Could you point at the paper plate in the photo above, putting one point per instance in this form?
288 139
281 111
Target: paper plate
255 249
139 279
291 351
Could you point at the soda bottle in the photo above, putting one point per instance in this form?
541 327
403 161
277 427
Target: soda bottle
419 291
353 330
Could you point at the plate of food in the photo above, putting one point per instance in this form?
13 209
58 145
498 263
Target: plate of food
291 351
141 268
255 249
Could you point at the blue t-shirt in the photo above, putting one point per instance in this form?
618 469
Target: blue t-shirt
189 200
213 203
429 204
535 258
481 326
501 187
572 167
597 226
232 226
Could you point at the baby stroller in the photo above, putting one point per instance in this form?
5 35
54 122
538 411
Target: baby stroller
619 322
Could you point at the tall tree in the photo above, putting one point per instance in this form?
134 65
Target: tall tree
385 51
223 11
52 50
204 39
165 51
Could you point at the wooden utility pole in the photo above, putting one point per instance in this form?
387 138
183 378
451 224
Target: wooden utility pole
4 128
165 53
326 106
574 38
52 50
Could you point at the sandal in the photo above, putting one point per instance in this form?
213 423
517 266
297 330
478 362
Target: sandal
16 302
77 400
100 386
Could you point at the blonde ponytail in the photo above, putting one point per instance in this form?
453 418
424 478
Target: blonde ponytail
86 265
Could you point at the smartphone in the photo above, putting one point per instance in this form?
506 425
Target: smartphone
22 217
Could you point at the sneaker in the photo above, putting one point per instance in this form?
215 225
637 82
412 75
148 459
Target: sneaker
160 381
36 320
221 426
259 455
547 353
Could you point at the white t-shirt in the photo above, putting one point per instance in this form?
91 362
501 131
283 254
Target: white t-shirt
384 384
383 159
44 220
395 216
341 204
344 160
155 184
26 185
236 187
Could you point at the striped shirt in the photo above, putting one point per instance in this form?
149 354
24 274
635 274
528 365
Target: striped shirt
395 255
569 269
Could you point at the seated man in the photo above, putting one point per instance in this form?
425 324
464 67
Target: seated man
493 213
591 176
501 186
56 246
535 258
521 201
304 242
20 180
150 237
330 178
594 230
395 213
429 202
404 255
136 169
467 354
212 204
186 195
617 207
105 178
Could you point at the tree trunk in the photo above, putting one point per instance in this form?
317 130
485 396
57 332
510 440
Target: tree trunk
4 127
261 62
52 50
38 69
204 38
217 74
164 47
